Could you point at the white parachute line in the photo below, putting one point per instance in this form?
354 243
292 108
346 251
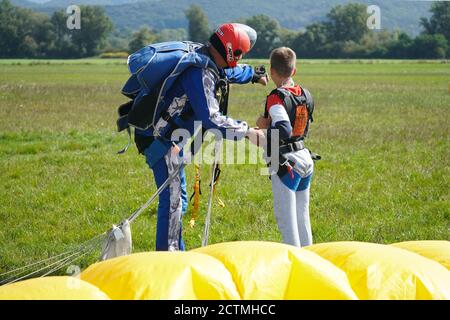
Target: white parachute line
35 263
160 189
68 262
87 246
48 259
59 264
12 280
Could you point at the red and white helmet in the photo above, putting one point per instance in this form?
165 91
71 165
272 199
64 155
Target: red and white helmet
232 41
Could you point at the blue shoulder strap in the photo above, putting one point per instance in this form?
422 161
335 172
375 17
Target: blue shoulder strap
189 59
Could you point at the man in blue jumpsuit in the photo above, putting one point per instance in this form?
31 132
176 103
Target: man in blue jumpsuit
193 98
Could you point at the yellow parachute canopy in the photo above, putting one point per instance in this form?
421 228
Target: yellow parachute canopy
436 250
378 271
163 275
267 270
52 288
258 270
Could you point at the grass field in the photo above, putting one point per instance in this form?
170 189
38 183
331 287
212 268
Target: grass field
382 129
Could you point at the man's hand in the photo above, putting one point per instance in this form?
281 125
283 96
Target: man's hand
263 123
260 76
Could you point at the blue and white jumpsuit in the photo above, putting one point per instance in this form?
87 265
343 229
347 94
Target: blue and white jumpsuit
194 94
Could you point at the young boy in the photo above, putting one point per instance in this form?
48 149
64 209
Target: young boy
289 111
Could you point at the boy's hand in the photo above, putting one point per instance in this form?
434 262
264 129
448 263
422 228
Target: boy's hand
256 136
264 80
263 123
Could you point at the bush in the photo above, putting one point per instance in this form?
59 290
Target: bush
114 55
428 46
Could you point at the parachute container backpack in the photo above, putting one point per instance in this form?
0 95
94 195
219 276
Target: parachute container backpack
154 70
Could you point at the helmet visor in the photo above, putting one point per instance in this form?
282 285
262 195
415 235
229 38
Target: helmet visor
247 37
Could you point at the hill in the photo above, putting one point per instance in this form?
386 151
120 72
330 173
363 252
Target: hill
292 14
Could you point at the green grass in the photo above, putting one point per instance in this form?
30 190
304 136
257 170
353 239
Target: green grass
382 129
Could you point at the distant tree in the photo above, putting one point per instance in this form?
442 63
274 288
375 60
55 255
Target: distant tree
439 22
372 45
141 38
23 33
95 26
313 42
401 47
10 33
84 42
347 22
268 35
287 37
429 46
118 40
171 35
198 24
63 46
42 33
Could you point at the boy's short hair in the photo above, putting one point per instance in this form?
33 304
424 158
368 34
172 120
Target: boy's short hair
282 60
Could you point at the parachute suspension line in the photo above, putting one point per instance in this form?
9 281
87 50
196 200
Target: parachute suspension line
34 264
57 265
65 259
166 183
217 150
61 257
69 261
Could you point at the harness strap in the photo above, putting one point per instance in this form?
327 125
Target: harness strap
315 156
173 125
285 167
124 149
292 102
224 87
292 147
122 123
196 195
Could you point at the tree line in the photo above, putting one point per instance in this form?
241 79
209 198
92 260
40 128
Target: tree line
344 34
28 34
